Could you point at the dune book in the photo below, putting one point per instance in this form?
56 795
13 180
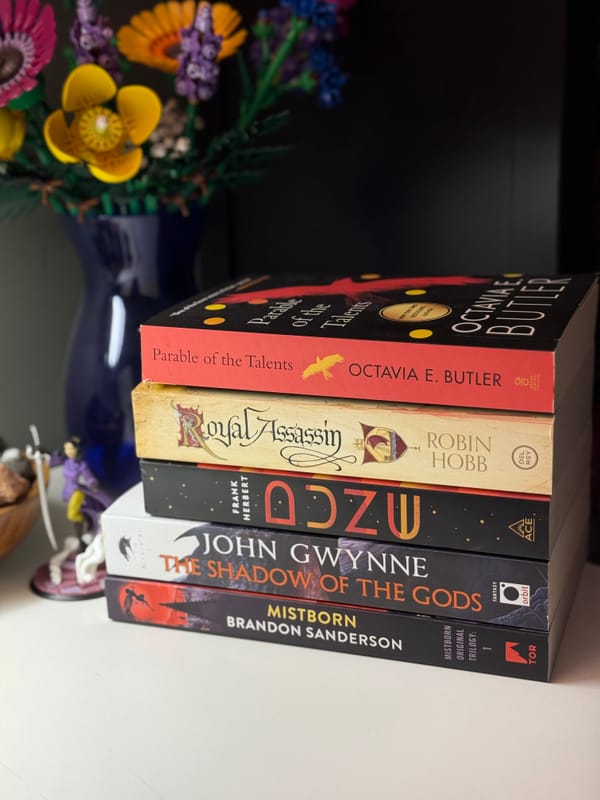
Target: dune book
447 583
502 523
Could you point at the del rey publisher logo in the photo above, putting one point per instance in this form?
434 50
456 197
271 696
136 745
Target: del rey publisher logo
519 653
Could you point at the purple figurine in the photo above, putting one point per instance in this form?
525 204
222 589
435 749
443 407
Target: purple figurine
76 571
81 492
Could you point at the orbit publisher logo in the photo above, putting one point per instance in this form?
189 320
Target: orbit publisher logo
515 594
520 653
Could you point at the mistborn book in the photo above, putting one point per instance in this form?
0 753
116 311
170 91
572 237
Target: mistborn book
470 646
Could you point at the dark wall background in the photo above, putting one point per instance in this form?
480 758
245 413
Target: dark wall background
443 157
464 144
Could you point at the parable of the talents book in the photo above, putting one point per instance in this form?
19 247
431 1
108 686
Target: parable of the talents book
510 341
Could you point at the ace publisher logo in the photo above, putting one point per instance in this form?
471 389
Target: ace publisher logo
518 653
525 528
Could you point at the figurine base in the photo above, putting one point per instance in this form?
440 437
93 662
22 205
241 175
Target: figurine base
68 588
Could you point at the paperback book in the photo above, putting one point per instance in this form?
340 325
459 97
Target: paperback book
446 583
500 523
511 342
475 448
473 647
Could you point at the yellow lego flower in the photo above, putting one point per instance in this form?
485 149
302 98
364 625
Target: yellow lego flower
101 125
12 132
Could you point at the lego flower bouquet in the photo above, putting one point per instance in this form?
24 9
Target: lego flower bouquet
129 169
115 148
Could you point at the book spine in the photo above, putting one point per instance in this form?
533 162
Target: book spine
468 376
325 626
449 584
488 522
383 441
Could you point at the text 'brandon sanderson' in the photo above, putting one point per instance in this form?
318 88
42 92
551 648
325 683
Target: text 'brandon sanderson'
324 625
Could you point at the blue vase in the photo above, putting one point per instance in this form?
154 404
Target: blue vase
134 266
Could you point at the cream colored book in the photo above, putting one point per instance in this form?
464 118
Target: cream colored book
504 451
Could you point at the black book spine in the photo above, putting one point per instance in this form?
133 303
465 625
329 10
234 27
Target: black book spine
487 522
447 583
348 629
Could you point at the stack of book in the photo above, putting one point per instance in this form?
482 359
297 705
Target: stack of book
396 467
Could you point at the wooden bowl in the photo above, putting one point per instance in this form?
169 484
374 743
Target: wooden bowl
17 519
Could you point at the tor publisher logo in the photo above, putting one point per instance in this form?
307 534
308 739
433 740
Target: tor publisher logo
519 653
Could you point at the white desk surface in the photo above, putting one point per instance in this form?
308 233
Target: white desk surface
92 709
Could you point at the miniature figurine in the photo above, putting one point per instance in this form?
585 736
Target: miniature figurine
75 571
81 492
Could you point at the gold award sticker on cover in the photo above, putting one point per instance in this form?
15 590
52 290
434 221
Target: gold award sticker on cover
415 311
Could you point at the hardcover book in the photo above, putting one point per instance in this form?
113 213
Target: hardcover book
451 584
509 342
500 523
472 646
476 448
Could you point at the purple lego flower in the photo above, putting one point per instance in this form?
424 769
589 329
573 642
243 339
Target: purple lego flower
92 39
276 22
198 72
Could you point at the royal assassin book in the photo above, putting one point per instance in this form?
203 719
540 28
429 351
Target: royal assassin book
476 448
449 584
501 523
511 342
474 647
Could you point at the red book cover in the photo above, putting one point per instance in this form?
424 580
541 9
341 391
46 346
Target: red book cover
510 342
